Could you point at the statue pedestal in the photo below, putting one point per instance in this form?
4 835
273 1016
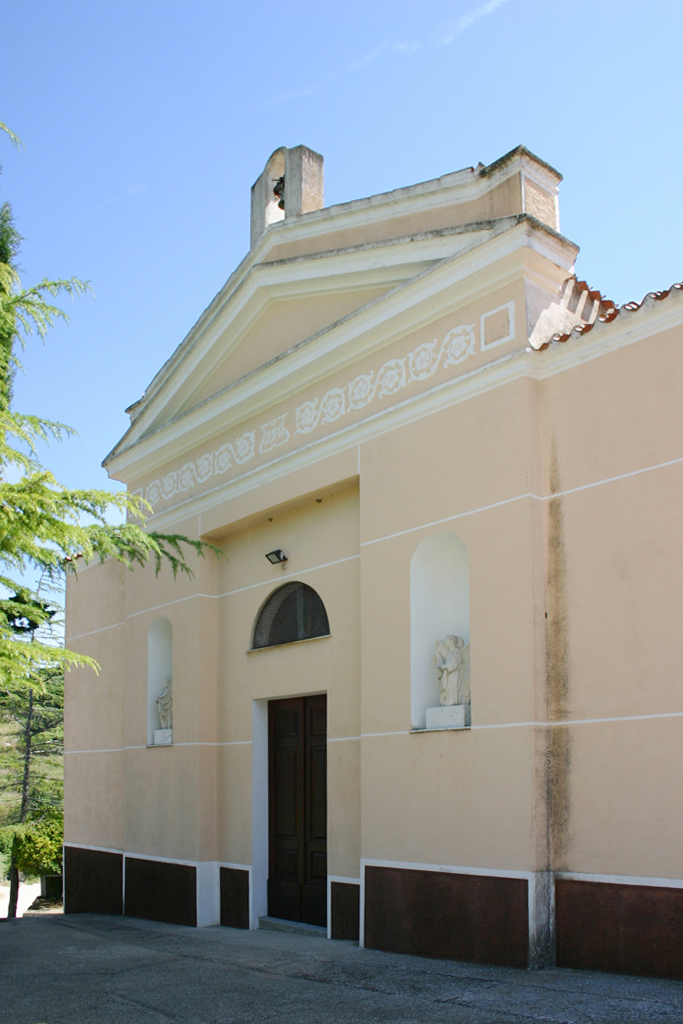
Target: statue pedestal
453 716
163 737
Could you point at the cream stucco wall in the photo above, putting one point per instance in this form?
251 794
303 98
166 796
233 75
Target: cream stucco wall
560 470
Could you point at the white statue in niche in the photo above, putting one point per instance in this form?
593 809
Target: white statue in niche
164 703
452 660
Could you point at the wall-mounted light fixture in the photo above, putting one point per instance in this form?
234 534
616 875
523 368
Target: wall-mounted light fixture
276 557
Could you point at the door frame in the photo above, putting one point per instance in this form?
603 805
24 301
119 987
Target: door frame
258 904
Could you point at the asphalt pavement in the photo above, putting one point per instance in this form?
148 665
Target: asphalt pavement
85 969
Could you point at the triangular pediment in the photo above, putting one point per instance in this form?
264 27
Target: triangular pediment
279 324
312 272
282 305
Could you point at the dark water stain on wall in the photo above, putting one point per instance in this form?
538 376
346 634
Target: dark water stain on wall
558 757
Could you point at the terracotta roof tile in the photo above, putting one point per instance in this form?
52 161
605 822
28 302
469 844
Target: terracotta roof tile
609 311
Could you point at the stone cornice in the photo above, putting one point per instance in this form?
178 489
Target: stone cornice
460 187
430 294
521 363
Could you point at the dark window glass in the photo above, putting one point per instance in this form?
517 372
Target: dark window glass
293 612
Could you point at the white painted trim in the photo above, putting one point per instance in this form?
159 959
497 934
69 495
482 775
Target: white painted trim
422 299
531 724
208 893
409 732
399 732
510 306
610 479
361 916
343 879
258 888
145 856
96 849
527 876
238 590
666 883
108 750
517 365
164 746
453 869
288 575
130 855
207 879
447 519
167 604
220 743
328 895
92 632
526 496
441 191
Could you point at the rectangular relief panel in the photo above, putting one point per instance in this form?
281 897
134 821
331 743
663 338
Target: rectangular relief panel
607 926
452 916
159 891
234 898
345 901
93 881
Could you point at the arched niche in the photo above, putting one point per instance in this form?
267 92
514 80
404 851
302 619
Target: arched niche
292 612
439 606
275 196
159 677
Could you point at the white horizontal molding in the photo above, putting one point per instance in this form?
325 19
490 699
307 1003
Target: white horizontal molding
621 332
351 268
92 632
95 849
163 746
578 876
416 303
452 869
405 411
356 268
459 187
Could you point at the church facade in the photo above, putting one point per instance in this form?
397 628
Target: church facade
428 695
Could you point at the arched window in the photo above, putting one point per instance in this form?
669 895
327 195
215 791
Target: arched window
292 612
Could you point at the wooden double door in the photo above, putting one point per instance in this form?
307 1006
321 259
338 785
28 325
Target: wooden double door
297 783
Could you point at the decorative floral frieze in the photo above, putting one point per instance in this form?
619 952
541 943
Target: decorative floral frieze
198 472
393 376
274 433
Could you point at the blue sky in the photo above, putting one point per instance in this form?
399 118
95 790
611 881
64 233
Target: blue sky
146 122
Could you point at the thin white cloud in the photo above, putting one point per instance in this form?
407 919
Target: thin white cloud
447 34
451 32
368 58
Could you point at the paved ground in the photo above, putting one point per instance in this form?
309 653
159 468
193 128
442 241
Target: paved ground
98 970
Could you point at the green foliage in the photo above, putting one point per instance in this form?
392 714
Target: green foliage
47 529
6 839
38 845
46 532
31 775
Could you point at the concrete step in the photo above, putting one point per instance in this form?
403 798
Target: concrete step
275 924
